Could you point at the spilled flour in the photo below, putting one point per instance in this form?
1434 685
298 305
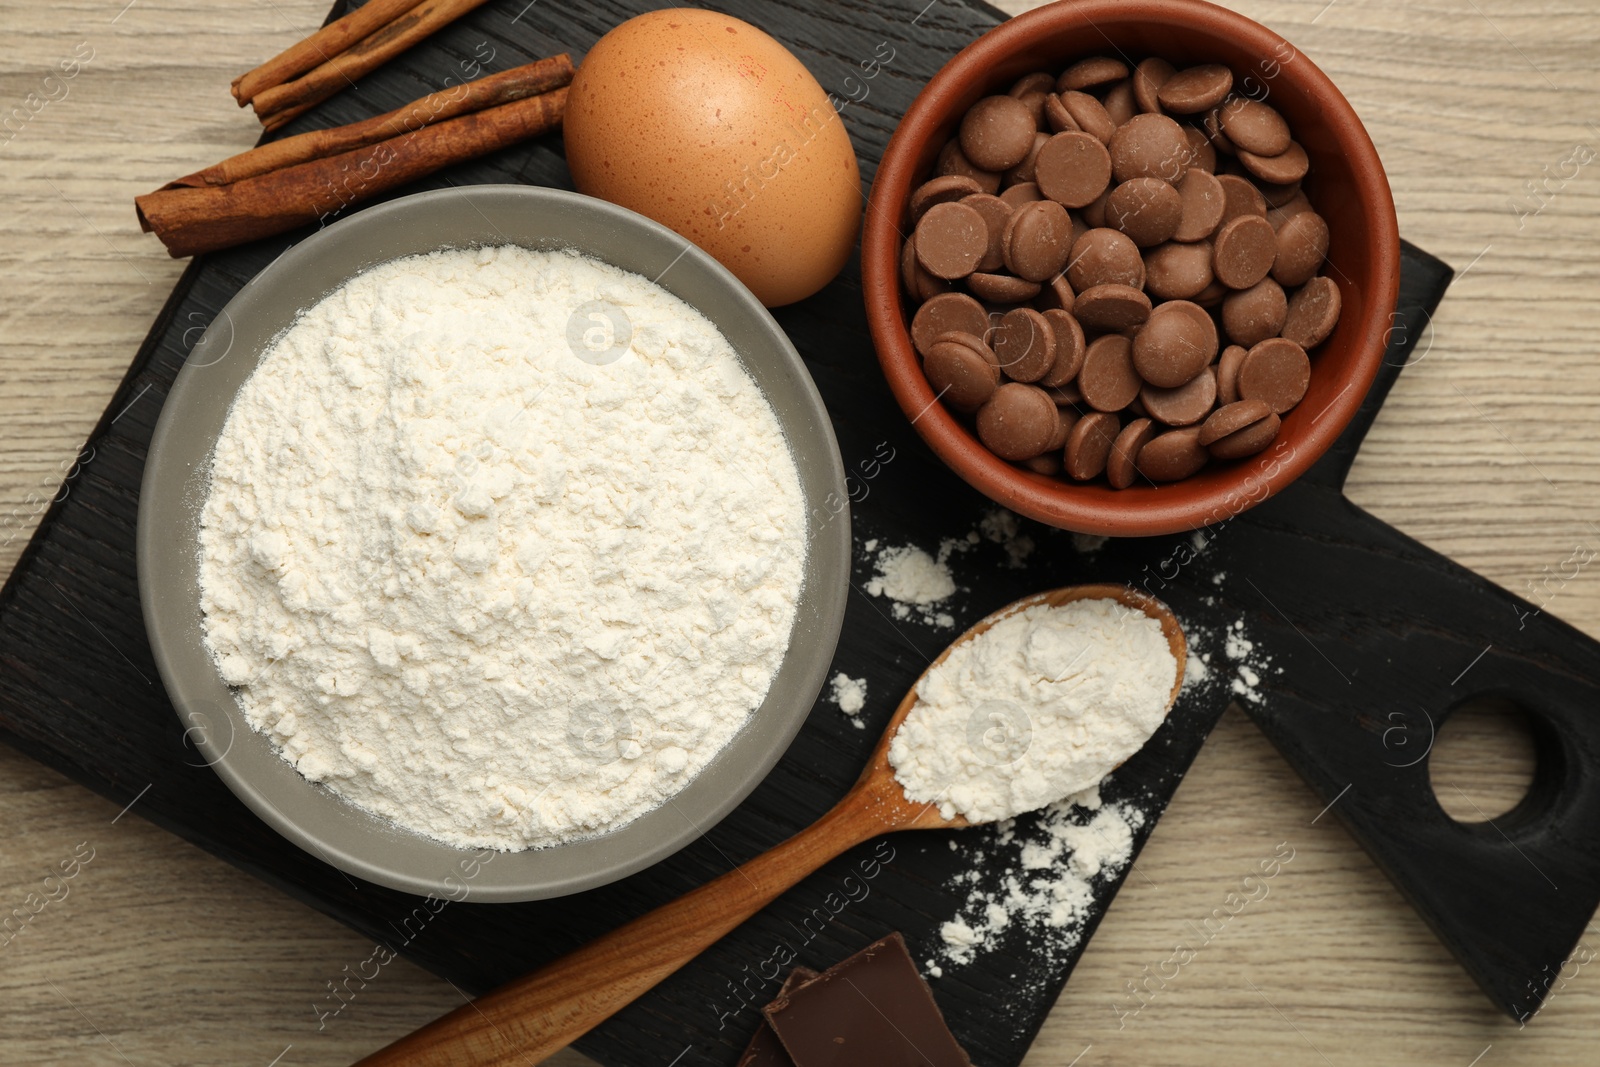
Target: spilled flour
914 583
1228 657
851 696
1250 665
1088 544
918 583
1004 528
1036 879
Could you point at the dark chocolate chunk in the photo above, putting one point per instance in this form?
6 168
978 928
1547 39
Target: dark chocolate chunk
764 1049
872 1010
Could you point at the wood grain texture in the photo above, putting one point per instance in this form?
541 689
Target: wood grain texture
161 954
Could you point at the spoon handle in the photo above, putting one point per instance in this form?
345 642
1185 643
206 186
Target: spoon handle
532 1017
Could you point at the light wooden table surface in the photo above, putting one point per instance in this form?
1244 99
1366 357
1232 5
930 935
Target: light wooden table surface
1486 451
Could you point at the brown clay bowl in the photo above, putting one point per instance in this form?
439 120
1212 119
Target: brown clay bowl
1346 185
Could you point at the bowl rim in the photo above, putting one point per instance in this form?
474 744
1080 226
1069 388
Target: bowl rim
953 442
367 843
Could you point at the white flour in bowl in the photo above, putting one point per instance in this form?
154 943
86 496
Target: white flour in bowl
474 583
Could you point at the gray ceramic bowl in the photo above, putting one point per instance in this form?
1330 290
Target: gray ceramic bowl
176 480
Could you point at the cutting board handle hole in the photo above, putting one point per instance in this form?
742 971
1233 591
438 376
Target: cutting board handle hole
1492 759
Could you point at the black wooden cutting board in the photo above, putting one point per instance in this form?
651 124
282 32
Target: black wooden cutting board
79 691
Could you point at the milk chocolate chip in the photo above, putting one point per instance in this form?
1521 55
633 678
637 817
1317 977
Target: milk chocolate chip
1313 313
1175 344
1172 456
1243 251
1211 296
1094 212
1148 78
1038 240
1034 102
1089 114
1105 257
1254 314
1072 168
1002 288
1091 72
1178 271
1254 127
1196 89
1040 81
1066 419
1302 246
1275 372
952 161
1048 464
1121 463
1202 201
962 370
1239 197
1212 124
918 282
1056 116
1232 417
996 213
1119 102
1057 293
1149 146
997 132
1021 193
1147 210
1018 421
1025 344
1228 373
1288 166
1089 445
951 239
1278 195
1201 155
1185 405
1070 348
940 191
947 313
1233 433
1111 307
1064 396
1108 379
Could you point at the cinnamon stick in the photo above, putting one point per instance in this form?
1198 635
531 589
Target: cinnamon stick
278 104
518 83
191 220
320 47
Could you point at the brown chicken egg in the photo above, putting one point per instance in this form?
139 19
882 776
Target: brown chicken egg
709 126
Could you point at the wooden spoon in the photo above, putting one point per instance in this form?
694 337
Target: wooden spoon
530 1018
